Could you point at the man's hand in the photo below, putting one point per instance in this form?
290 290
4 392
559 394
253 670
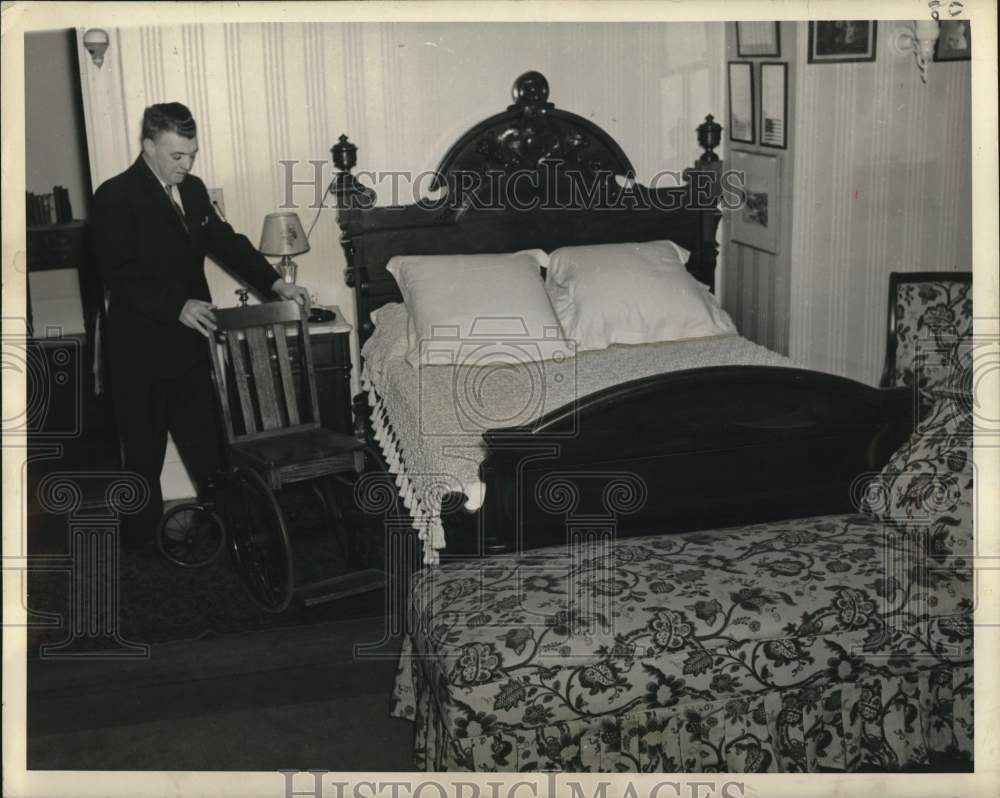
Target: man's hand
197 314
292 291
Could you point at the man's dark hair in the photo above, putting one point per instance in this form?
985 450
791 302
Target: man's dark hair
168 118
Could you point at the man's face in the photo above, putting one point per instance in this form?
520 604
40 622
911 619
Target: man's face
171 156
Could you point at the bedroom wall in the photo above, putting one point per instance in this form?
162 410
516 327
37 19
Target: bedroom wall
882 182
757 284
55 156
402 92
883 176
52 125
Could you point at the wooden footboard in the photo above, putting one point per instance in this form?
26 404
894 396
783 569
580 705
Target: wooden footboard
687 450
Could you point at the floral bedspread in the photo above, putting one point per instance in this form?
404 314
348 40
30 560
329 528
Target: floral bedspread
814 644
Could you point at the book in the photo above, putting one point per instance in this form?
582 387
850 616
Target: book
48 209
63 212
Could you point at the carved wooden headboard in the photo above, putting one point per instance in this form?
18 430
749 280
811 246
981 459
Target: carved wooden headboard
533 176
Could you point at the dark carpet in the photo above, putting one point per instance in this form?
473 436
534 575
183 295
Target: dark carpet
159 602
224 685
293 698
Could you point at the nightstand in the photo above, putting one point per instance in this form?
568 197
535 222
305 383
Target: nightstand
331 352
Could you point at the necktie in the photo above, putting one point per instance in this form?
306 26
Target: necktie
175 202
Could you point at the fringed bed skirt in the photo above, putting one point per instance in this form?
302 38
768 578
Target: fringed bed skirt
879 722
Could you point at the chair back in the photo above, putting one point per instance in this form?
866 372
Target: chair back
930 323
262 370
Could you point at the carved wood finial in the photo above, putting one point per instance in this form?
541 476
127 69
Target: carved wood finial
531 134
709 136
704 178
346 187
345 154
531 90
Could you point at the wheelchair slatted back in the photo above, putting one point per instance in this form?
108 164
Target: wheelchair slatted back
258 390
263 377
285 372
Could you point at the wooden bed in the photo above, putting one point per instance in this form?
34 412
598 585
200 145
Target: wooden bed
695 439
726 607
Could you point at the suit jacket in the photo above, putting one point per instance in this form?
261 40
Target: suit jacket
152 265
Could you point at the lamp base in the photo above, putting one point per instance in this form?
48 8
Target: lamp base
288 269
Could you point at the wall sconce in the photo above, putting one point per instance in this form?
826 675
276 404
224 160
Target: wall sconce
918 39
96 42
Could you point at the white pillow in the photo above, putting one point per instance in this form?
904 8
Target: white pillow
478 310
630 294
387 343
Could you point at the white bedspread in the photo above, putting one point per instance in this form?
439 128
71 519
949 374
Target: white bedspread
429 421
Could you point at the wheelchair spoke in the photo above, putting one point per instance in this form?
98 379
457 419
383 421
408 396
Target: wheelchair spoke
333 518
259 541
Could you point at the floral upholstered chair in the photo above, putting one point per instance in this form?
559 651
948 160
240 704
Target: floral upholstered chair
925 491
930 322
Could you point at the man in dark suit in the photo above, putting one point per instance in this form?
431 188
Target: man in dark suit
153 225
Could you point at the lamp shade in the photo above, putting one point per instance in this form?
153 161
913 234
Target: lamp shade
283 234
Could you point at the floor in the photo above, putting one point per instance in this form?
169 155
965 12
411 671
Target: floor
265 700
225 686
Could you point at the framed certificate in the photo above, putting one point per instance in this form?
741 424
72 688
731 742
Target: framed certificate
741 117
757 39
774 105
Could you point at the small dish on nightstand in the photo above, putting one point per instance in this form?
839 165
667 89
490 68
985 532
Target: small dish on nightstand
319 314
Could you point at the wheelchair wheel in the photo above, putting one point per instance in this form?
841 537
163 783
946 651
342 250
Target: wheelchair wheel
333 517
190 535
304 509
258 539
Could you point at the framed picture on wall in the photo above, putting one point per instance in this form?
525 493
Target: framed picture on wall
841 40
741 116
758 39
756 222
774 105
955 41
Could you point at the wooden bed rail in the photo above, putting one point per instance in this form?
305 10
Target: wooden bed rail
706 448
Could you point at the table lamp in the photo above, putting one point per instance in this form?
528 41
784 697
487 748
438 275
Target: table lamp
283 235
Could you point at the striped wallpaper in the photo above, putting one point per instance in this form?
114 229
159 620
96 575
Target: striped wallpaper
877 178
265 93
756 291
885 161
403 92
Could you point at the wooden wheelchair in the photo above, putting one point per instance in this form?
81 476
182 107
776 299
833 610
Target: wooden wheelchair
266 394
